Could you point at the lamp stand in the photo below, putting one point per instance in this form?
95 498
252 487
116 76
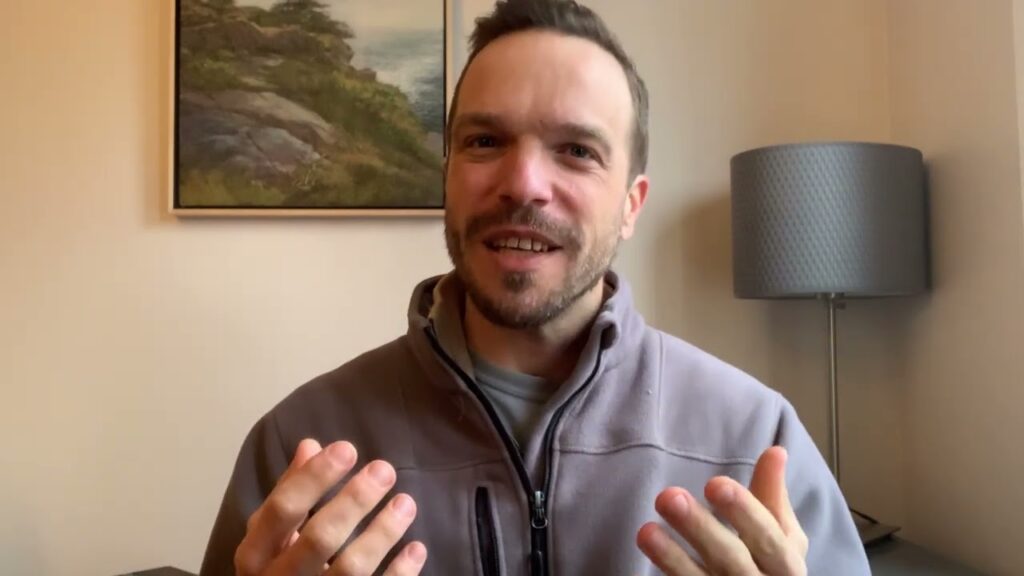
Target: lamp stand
869 529
834 301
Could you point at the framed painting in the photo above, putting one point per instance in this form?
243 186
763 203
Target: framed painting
309 107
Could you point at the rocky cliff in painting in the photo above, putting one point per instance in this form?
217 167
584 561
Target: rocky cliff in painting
272 113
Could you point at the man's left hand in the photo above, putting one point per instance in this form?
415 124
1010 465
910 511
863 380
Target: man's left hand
768 540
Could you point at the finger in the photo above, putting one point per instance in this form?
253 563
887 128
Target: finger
773 552
365 554
306 449
721 550
293 538
334 523
668 556
289 503
409 561
769 486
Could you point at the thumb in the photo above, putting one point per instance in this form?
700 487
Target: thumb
768 485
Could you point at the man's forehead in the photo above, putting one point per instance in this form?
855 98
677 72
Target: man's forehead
544 79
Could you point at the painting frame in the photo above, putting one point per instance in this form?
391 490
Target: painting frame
450 16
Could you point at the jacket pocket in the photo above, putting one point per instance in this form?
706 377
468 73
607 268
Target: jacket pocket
486 533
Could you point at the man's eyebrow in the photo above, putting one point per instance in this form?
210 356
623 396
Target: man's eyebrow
477 119
575 131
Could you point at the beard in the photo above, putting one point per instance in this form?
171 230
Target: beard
520 302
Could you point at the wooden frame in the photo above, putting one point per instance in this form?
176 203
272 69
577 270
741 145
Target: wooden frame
185 209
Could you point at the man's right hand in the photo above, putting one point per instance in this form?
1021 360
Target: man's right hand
281 538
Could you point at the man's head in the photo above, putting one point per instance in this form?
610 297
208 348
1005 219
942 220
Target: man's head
547 147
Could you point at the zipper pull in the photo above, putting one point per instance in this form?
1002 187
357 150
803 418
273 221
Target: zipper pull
540 517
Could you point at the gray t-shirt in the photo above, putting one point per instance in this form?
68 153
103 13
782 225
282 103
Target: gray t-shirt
518 398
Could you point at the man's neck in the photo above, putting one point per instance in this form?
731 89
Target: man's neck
550 351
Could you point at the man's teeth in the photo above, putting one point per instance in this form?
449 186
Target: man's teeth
526 244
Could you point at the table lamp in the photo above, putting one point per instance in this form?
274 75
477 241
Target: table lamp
832 221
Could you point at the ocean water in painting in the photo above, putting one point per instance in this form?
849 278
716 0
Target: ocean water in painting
412 60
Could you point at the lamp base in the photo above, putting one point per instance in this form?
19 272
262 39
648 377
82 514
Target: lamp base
871 531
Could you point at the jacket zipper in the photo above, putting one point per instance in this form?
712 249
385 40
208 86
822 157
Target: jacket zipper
485 533
537 498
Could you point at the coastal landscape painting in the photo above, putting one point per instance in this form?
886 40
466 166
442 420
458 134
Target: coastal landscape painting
303 106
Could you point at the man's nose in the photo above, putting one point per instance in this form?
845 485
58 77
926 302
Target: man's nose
526 178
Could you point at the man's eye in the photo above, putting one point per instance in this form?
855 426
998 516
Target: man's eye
484 141
579 151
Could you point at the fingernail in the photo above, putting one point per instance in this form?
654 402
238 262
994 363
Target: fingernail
404 506
725 493
342 452
681 504
417 552
657 538
382 472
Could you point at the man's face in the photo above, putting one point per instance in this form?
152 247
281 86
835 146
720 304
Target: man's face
537 197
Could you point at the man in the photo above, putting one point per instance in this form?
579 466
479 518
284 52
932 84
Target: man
529 421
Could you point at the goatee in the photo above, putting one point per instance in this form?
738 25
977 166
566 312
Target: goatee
515 307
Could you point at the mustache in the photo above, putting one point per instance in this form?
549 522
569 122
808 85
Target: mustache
527 216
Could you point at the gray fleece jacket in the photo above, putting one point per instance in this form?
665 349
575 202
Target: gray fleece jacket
643 411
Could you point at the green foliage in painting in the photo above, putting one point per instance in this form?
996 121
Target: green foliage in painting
272 113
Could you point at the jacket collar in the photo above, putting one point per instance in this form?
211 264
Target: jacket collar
616 330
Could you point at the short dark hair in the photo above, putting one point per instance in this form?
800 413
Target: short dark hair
570 18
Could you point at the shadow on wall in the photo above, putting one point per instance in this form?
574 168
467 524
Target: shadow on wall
20 544
158 139
778 342
707 242
694 295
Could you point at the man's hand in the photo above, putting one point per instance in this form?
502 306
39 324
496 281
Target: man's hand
280 540
769 540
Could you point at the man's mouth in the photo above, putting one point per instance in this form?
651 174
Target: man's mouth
519 243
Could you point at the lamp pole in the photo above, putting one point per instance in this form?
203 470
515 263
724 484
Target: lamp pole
833 301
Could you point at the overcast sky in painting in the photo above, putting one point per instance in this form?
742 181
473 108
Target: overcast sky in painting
360 14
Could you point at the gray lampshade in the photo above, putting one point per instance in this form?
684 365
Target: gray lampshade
834 217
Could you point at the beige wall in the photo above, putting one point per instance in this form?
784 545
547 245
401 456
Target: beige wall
955 94
1018 44
136 349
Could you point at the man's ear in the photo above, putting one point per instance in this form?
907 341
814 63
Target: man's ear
634 202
